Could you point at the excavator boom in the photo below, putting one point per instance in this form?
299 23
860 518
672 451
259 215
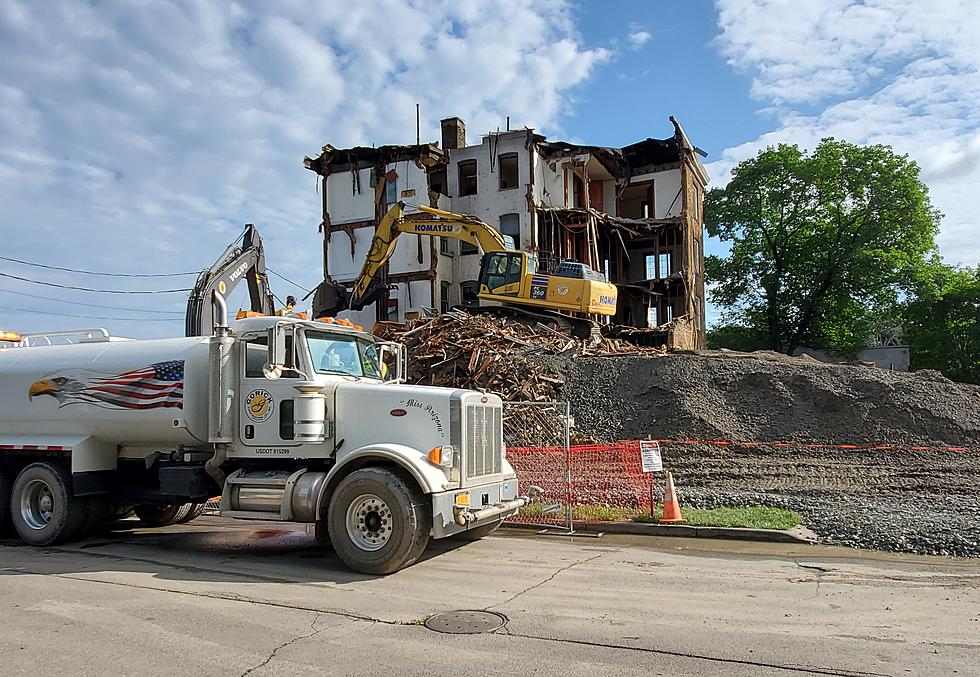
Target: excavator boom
246 262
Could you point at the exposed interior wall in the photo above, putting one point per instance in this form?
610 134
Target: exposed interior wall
345 202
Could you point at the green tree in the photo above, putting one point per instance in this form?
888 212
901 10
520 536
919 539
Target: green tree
736 337
941 323
820 242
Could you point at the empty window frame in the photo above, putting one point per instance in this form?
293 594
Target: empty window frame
391 192
445 246
467 248
652 316
510 227
467 177
469 292
509 172
655 269
444 301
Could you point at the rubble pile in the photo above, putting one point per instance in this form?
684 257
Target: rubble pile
464 350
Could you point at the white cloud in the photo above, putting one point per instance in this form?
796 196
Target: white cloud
905 73
638 36
140 136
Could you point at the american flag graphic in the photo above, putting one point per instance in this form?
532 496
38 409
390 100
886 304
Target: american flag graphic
158 385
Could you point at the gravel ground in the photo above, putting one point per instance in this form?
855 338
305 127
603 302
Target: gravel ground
946 527
898 499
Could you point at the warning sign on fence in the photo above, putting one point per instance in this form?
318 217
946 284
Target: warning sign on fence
650 456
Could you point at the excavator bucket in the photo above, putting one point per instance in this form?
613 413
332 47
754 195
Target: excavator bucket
329 299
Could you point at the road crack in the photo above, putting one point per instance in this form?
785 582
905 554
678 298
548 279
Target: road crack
806 669
548 579
282 646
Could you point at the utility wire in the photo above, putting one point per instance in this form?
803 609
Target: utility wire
101 291
94 272
90 305
90 317
283 277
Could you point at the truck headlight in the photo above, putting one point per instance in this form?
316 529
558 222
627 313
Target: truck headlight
442 456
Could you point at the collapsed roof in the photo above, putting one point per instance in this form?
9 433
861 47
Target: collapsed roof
333 160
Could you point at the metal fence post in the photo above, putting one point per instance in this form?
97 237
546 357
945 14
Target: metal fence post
567 441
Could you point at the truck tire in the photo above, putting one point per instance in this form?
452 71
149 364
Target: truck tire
158 515
476 533
188 512
378 522
43 509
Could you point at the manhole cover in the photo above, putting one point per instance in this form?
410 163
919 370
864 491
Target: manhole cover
466 622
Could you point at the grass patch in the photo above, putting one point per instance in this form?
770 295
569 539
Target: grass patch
755 517
590 513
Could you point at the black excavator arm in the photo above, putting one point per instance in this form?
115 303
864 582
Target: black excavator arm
245 262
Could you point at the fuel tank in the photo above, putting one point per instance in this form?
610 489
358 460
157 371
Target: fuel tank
133 393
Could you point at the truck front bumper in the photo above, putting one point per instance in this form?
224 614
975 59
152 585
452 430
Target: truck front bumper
488 503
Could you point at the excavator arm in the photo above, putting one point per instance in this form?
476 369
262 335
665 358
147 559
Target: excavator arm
246 262
332 298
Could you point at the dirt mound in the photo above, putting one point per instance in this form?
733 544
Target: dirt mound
718 395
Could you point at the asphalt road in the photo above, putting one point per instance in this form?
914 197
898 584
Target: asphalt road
230 598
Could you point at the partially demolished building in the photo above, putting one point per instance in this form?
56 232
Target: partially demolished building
634 213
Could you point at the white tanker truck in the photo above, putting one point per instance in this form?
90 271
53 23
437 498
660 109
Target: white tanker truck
286 419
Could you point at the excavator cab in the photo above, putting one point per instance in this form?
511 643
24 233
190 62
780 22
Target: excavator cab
501 273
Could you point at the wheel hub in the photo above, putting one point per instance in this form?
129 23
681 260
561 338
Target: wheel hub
369 522
37 504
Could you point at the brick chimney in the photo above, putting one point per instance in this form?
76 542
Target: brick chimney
453 133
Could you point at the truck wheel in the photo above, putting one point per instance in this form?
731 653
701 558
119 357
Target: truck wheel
188 512
158 515
378 522
476 533
42 507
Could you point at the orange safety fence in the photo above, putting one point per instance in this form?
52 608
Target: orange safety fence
606 482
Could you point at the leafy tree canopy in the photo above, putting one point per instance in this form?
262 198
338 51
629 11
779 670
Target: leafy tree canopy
821 243
941 322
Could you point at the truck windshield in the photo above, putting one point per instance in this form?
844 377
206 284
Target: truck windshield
338 354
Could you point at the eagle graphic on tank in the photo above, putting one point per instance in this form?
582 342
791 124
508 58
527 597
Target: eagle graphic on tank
157 385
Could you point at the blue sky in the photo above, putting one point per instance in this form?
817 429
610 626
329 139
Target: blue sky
139 137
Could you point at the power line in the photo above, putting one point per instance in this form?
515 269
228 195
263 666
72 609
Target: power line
91 305
101 291
283 277
95 272
90 317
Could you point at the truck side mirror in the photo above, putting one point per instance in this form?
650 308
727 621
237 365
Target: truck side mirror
394 361
272 369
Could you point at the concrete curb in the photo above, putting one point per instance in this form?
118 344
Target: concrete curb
794 535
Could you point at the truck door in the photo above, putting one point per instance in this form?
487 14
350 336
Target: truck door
265 415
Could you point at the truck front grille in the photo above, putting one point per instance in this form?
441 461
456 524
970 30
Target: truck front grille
484 441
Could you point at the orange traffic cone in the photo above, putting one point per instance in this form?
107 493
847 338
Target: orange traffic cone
672 509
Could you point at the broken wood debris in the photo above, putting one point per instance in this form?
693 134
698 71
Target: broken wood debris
465 350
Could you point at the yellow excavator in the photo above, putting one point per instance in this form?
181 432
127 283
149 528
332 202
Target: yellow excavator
563 298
